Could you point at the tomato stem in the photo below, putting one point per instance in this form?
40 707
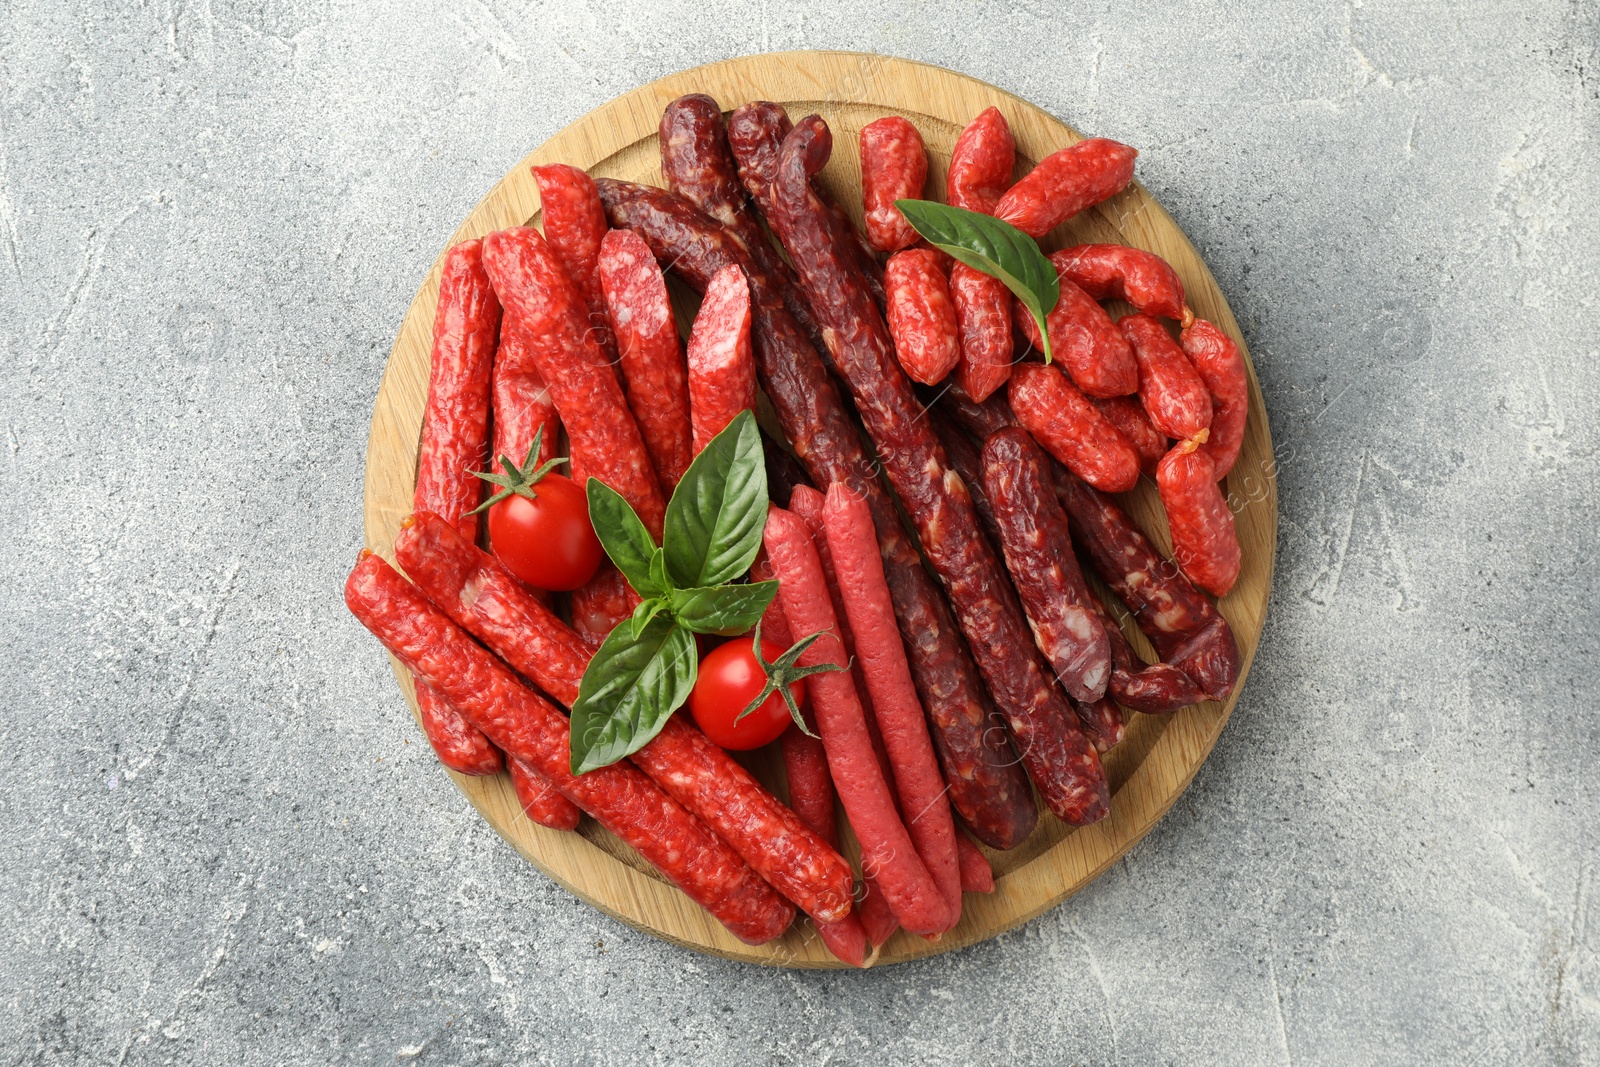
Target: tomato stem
518 481
782 673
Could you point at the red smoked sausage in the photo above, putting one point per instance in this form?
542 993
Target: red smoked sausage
1071 429
455 428
920 789
1038 552
987 786
528 728
606 442
523 409
1065 183
808 504
1218 362
886 848
574 225
541 802
602 602
983 319
976 874
805 768
894 166
455 435
1059 759
722 371
1170 389
543 303
981 163
1085 342
522 404
922 317
651 353
1203 539
1133 423
458 744
1120 272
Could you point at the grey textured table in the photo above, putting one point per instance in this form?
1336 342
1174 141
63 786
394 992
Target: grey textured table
222 837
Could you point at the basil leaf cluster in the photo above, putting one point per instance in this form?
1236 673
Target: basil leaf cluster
644 670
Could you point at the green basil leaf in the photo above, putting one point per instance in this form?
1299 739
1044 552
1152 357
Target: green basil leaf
658 572
995 247
647 610
722 609
623 536
717 513
629 690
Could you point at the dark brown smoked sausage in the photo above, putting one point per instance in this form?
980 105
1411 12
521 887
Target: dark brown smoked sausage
1186 629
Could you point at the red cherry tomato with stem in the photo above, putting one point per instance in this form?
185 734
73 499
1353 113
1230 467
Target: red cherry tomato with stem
539 524
729 679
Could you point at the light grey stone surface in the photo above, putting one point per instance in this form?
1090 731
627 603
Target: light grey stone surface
221 837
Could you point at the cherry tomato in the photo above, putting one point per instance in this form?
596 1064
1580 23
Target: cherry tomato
729 679
547 542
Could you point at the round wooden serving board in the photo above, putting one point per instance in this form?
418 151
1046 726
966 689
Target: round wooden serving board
1160 755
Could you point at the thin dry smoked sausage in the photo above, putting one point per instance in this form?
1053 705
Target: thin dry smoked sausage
1185 628
1038 552
455 434
698 163
1188 633
651 353
1155 688
756 132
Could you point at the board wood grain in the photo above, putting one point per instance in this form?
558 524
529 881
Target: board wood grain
1160 755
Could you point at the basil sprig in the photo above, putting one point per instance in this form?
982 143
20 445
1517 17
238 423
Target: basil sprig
994 247
644 670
